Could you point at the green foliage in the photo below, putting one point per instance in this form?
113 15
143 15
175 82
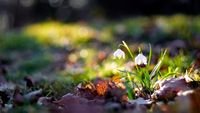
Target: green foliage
58 87
144 76
15 42
16 77
36 63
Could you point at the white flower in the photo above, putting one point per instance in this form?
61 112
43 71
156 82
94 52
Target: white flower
119 54
140 59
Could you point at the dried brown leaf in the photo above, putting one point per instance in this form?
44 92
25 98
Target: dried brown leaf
102 87
168 89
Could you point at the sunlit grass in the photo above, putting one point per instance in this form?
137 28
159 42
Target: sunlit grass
60 34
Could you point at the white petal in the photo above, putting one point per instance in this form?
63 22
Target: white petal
140 59
119 54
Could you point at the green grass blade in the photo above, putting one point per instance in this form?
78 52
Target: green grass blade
126 46
158 65
150 55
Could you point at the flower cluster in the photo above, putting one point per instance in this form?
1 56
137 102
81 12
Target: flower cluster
140 59
143 76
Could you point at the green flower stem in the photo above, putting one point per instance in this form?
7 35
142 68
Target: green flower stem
158 65
126 46
129 86
129 51
150 55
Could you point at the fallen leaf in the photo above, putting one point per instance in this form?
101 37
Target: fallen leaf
188 101
18 98
44 101
168 89
140 101
102 87
70 103
33 96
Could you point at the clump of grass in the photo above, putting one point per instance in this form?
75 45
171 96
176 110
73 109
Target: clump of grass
143 77
58 87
